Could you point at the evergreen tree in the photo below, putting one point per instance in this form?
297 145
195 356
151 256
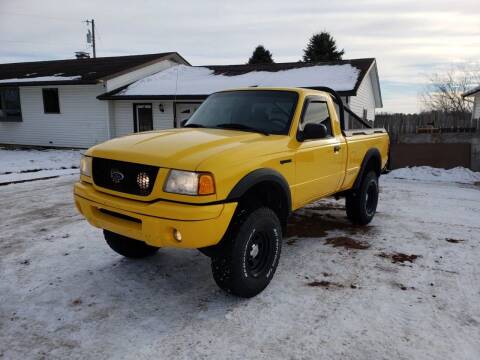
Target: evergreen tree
260 56
321 47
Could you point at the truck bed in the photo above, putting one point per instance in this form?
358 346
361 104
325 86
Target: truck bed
360 141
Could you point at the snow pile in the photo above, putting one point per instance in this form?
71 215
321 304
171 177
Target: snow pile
56 77
21 165
427 173
190 80
22 160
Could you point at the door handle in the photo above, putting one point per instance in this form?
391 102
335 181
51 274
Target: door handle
336 148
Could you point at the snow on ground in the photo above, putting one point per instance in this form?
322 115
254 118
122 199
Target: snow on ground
20 165
196 80
427 173
65 294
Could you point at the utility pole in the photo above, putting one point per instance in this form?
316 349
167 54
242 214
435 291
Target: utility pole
92 40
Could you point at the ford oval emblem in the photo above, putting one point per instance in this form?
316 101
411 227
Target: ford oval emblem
116 176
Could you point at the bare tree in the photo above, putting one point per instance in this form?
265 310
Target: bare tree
444 91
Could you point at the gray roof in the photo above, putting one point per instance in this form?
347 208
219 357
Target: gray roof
74 71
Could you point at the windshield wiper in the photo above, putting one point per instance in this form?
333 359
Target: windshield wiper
193 125
234 126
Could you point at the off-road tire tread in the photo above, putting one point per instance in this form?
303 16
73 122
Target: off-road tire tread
355 201
222 263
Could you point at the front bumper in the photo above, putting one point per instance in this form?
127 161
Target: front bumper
153 223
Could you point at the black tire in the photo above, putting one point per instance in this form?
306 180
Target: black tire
250 256
362 204
128 247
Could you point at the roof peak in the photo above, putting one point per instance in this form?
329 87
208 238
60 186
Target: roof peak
86 60
293 63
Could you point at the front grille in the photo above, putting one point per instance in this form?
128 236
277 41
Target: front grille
130 178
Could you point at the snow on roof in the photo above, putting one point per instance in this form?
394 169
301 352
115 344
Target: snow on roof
472 92
40 78
196 80
82 71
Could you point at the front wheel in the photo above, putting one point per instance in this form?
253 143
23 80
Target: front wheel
247 262
362 204
128 247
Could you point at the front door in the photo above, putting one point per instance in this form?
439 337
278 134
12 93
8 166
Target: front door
183 111
320 163
143 117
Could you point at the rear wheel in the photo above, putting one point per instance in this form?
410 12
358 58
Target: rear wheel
362 204
128 247
250 255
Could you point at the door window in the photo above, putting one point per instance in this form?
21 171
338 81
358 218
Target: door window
143 117
316 112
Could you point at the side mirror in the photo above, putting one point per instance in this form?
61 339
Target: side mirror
313 131
183 123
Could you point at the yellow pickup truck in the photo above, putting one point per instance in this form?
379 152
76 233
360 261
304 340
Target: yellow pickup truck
226 182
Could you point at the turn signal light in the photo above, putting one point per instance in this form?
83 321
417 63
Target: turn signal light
206 184
177 235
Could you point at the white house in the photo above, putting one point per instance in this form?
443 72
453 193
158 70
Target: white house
164 99
81 102
475 93
54 103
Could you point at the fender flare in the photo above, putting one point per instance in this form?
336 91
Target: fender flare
374 154
259 176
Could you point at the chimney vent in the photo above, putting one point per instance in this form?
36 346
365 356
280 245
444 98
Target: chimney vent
82 55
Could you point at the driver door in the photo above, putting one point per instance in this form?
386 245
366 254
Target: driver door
320 163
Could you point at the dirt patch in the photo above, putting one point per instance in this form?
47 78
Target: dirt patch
477 183
402 286
37 170
347 243
454 241
77 302
309 224
324 284
306 226
29 180
399 257
330 285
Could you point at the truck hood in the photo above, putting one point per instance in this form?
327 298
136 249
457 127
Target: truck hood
187 148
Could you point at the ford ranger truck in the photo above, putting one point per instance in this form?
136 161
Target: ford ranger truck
226 182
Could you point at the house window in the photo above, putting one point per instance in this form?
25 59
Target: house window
10 105
51 104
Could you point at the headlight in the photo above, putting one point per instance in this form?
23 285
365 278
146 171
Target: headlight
189 183
86 166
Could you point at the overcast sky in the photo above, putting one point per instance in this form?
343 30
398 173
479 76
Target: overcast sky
409 39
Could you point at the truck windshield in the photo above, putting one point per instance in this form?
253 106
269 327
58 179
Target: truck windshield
264 111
